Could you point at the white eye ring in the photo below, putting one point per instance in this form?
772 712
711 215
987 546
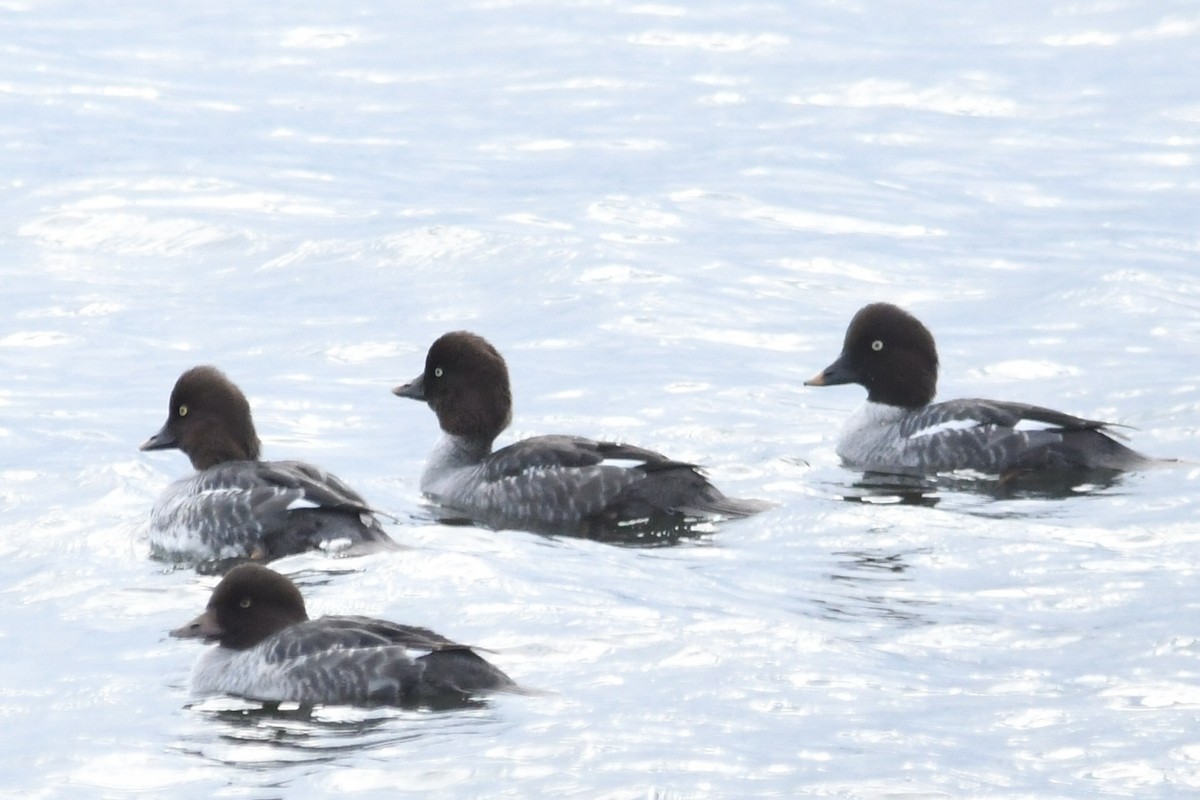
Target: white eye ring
437 372
245 602
877 345
183 411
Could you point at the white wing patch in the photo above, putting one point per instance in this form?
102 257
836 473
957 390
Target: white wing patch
301 502
623 463
943 427
1032 425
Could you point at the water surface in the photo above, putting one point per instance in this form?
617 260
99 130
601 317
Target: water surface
663 215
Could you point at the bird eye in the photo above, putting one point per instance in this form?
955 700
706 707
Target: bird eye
437 372
877 345
245 602
183 411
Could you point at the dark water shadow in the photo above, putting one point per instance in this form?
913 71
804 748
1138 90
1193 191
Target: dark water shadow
665 530
1052 485
882 489
877 488
861 579
308 735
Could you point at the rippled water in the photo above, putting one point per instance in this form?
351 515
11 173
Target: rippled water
664 215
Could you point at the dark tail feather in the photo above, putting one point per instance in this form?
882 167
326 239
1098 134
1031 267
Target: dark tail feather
1084 449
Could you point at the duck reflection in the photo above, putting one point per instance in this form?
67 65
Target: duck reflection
237 731
877 488
648 532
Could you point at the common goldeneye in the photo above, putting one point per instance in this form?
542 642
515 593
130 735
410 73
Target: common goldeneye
268 649
235 505
547 484
900 430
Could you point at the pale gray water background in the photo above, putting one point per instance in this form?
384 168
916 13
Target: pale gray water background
663 215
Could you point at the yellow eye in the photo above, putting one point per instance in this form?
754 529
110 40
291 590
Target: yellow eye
245 602
437 372
877 345
183 411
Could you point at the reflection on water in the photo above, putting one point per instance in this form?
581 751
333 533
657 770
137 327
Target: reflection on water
881 489
668 207
864 578
929 490
656 532
244 733
889 564
661 531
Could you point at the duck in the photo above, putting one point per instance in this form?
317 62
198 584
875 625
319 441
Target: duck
553 484
901 430
268 649
236 505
